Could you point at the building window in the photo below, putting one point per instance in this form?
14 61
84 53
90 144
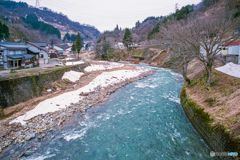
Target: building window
18 52
37 56
1 55
27 60
1 63
41 55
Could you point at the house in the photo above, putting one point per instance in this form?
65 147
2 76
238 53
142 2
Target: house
59 50
232 49
83 49
119 45
36 52
133 45
203 51
16 55
91 48
68 50
53 55
55 49
43 53
40 44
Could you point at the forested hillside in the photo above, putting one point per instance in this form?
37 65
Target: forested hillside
19 15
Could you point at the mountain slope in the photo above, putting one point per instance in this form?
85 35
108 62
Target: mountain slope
15 10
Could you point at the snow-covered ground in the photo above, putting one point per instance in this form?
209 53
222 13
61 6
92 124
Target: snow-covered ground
103 66
68 59
64 100
74 63
230 69
72 75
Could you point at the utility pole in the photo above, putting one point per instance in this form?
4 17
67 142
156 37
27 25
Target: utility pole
37 4
176 6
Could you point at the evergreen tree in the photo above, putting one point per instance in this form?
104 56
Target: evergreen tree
137 24
154 30
52 43
73 47
67 37
78 44
32 19
4 31
127 39
73 37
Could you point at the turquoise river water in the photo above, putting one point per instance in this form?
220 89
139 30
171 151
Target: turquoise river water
143 120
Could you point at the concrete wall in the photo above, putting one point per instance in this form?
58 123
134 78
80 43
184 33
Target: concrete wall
5 53
14 91
233 59
43 60
214 135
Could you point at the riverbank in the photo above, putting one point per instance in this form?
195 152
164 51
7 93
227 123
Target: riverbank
102 79
215 113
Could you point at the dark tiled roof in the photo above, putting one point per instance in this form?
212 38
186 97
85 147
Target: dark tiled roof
16 56
37 46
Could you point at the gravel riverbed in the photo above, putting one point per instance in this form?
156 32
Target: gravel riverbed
39 127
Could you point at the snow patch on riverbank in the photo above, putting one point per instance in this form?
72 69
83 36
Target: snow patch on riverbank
73 76
104 66
62 101
74 63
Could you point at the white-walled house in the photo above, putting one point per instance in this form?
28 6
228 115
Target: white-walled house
55 49
43 53
203 51
232 49
15 55
119 45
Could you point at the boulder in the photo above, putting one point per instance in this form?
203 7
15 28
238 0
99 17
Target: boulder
29 137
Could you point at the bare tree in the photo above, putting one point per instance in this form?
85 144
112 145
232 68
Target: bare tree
201 36
180 52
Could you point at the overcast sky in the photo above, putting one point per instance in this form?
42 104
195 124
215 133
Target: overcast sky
106 14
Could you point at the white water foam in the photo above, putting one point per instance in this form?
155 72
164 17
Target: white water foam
64 100
75 135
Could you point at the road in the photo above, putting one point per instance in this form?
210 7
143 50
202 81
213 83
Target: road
51 63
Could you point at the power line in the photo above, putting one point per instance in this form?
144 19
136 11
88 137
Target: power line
99 12
113 14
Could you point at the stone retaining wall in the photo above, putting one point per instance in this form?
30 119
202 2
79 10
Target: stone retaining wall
14 91
214 135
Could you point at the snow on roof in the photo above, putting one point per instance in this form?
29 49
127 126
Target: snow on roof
230 69
36 46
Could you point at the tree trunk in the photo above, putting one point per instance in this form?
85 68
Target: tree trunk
209 73
184 70
78 56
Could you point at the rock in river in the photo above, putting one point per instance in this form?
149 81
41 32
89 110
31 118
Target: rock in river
31 136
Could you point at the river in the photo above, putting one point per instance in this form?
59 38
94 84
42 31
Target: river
143 120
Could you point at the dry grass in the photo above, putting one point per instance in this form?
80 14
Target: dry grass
31 72
222 100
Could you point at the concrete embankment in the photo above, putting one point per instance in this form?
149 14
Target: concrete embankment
17 90
214 134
